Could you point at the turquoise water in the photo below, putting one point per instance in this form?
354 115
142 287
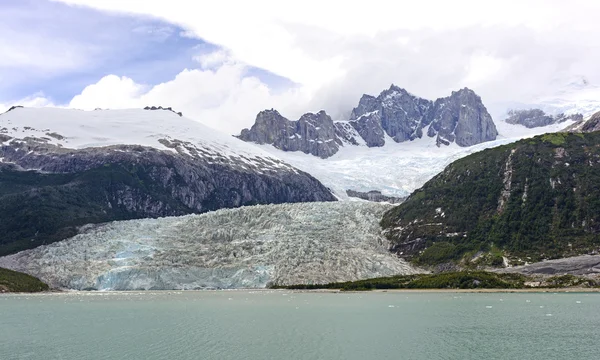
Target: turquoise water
286 325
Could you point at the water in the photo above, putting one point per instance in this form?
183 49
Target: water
285 325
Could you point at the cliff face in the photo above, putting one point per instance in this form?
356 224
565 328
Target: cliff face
312 134
590 125
460 118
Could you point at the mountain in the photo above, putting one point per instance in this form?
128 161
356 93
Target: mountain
247 247
460 118
589 125
312 133
536 118
528 201
61 169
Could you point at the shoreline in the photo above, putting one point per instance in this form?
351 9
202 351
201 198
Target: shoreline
331 291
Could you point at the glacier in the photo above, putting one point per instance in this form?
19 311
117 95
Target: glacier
395 169
248 247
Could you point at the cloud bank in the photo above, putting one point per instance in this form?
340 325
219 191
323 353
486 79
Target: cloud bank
332 52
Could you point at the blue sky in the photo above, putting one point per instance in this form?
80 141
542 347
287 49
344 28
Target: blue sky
60 49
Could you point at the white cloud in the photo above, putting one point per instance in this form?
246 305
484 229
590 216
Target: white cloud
224 99
214 59
38 100
513 50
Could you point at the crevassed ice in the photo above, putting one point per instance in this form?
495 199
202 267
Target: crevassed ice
248 247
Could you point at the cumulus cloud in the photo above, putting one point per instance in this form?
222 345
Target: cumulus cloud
223 98
38 100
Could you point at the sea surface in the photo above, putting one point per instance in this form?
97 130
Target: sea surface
289 325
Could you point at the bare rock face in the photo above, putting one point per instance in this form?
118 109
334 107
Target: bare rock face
590 125
312 134
369 128
375 196
48 191
400 114
536 118
461 118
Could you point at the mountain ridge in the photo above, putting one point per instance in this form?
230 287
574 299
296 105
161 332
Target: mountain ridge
395 114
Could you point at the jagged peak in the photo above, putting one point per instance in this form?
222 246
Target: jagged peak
465 92
394 89
314 116
269 111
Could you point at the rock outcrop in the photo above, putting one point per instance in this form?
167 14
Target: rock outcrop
375 196
161 108
590 125
460 118
312 134
536 118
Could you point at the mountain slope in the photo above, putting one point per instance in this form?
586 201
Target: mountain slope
245 247
12 281
535 199
60 169
590 125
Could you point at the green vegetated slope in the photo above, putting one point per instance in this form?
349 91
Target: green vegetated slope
12 281
535 199
456 280
38 208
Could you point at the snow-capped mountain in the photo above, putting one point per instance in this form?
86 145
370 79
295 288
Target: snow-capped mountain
97 166
396 169
248 247
395 114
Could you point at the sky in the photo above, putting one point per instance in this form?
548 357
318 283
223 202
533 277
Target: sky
221 62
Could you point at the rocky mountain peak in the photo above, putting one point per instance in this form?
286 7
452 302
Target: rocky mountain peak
461 118
313 133
396 113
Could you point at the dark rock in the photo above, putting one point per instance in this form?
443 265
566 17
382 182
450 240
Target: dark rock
375 196
400 114
369 128
535 118
590 125
74 187
459 118
13 107
312 134
161 108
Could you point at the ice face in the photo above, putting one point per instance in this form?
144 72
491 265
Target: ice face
247 247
